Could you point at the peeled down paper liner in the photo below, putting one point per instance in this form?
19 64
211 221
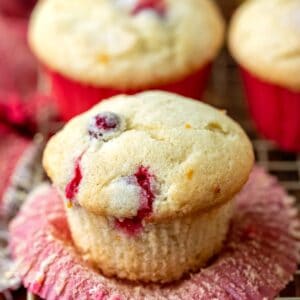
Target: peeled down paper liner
258 259
21 106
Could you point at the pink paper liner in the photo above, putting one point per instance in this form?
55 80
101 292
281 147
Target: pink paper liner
275 110
258 260
12 148
73 97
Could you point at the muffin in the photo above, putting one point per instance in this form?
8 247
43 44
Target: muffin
265 40
95 49
148 183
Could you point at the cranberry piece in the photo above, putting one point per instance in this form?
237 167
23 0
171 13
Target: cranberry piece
134 225
144 179
72 187
103 123
159 6
129 226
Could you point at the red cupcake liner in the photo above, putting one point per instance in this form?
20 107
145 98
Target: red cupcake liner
275 111
73 97
257 261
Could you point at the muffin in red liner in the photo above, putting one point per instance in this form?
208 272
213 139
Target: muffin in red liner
266 46
258 260
278 118
124 47
18 168
84 96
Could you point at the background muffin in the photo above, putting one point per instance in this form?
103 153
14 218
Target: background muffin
94 49
149 182
265 40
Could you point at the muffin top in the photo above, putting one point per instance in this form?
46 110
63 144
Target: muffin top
265 39
152 153
126 43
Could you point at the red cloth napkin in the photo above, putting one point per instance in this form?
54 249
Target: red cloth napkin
16 8
18 67
20 105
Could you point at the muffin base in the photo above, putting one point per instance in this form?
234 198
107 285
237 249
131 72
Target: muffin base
275 111
73 98
162 252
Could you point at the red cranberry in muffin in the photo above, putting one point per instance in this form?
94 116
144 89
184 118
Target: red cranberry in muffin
145 182
158 6
105 125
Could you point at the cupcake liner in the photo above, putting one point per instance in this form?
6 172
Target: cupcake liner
275 111
73 97
182 240
258 260
19 169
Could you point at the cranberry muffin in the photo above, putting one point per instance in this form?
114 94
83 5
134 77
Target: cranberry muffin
148 183
264 38
96 49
